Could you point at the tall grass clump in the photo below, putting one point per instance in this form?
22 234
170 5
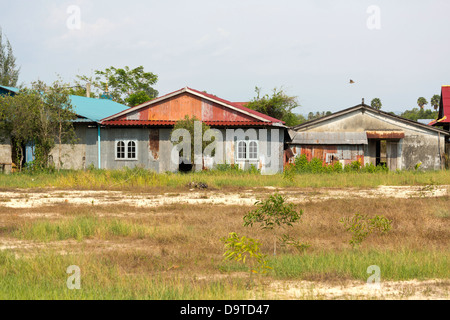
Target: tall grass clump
80 228
402 264
44 277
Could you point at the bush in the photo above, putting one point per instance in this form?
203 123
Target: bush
316 165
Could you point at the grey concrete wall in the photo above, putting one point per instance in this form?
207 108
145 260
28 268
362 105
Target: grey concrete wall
70 156
154 149
419 145
5 156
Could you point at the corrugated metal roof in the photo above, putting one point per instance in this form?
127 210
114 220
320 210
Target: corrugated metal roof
91 108
128 123
235 106
95 109
444 108
15 90
331 138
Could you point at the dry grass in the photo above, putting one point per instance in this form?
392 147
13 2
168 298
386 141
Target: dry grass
183 242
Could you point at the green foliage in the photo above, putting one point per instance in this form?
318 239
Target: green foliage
41 115
125 85
376 103
244 249
188 124
422 102
287 240
435 101
9 73
302 165
361 226
272 214
278 105
416 114
318 115
137 98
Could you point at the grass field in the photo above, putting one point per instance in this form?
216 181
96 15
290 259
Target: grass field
173 250
142 179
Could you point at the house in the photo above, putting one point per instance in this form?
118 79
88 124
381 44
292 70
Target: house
113 136
89 112
362 133
142 135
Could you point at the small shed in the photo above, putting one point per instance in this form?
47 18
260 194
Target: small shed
362 133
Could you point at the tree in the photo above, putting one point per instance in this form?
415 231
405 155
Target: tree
279 106
41 115
435 101
188 124
57 122
18 121
126 86
376 103
273 214
422 102
416 114
9 73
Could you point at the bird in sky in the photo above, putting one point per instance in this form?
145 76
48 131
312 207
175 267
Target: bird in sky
351 81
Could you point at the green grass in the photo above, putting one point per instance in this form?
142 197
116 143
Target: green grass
45 277
80 228
143 179
400 264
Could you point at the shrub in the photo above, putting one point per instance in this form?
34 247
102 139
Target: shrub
244 248
272 214
361 226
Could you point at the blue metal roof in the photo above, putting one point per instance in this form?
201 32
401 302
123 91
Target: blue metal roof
91 108
10 89
95 109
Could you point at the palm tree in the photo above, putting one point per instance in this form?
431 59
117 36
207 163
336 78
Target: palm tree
376 104
435 101
422 102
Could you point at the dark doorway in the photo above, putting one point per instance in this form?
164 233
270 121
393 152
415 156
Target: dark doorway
381 152
185 166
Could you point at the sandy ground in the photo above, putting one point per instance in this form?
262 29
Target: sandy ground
405 290
25 199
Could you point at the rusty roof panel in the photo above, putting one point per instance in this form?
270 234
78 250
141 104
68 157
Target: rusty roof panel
331 138
385 134
131 123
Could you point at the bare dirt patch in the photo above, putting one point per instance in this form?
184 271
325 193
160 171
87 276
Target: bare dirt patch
404 290
21 199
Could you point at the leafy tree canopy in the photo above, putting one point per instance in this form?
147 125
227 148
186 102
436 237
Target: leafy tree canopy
422 102
278 105
9 73
124 85
417 113
376 103
435 101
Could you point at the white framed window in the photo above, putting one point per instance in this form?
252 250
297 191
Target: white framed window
126 150
247 150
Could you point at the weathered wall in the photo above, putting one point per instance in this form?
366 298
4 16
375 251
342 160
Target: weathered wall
71 156
154 149
419 145
5 156
329 154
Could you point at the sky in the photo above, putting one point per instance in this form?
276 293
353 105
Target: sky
394 50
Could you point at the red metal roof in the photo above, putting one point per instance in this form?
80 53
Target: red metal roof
256 118
239 105
444 110
165 123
